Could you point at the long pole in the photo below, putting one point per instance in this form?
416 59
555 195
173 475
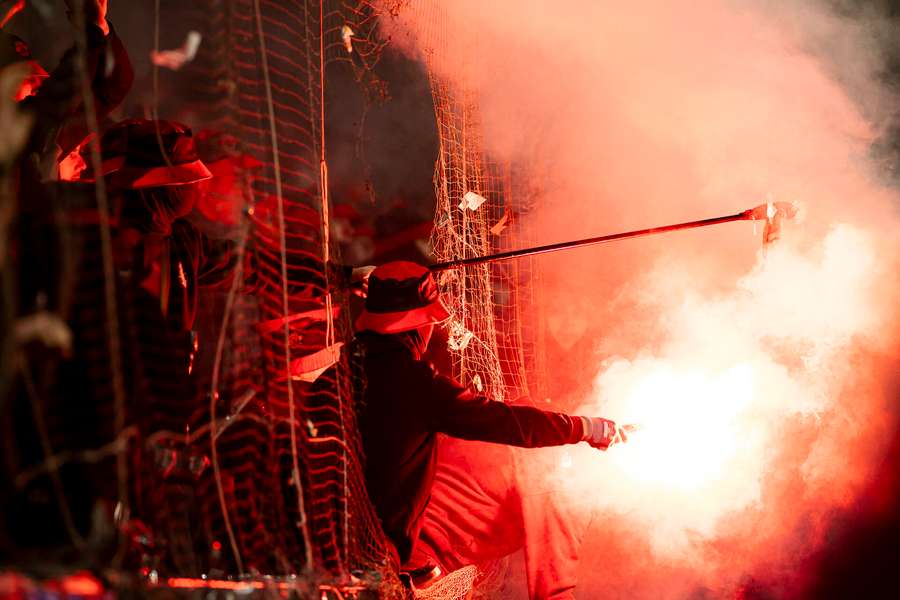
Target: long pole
750 214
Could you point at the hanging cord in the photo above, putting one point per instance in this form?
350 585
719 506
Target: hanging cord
109 283
214 430
154 107
342 554
214 390
323 180
276 165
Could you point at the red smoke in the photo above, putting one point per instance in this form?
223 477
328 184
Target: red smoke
760 378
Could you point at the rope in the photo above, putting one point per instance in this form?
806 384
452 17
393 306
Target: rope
214 394
154 108
276 165
326 255
109 283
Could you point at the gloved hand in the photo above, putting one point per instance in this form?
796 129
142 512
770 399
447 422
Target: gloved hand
603 433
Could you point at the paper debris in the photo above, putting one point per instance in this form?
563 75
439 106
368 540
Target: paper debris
472 201
310 376
498 227
316 313
308 368
177 58
458 337
347 36
46 328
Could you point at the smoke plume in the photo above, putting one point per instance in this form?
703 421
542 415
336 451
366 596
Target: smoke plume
759 376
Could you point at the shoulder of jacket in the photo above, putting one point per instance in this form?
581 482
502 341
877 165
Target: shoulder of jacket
423 373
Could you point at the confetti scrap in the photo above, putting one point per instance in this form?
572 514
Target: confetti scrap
472 201
177 58
458 337
498 228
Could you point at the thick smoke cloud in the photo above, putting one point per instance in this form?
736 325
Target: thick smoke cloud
759 375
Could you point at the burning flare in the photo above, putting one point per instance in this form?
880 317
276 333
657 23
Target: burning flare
714 402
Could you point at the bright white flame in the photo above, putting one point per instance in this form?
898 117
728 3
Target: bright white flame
690 426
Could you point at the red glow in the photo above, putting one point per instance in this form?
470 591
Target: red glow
81 584
216 584
221 584
757 375
32 81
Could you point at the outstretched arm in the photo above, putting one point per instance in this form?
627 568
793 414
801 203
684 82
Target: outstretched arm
459 412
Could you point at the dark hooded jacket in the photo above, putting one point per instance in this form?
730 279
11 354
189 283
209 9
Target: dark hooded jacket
405 405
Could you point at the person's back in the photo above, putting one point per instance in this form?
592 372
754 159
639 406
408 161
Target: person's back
398 444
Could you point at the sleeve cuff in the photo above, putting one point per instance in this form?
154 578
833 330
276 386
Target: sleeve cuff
586 428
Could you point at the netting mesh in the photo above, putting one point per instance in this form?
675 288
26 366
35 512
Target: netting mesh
461 232
299 502
496 332
235 451
230 448
456 585
495 328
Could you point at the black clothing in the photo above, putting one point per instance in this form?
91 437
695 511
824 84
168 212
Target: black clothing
405 405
